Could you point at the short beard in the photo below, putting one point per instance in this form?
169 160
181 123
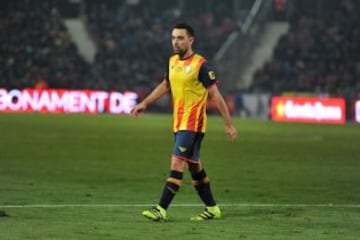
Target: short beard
181 53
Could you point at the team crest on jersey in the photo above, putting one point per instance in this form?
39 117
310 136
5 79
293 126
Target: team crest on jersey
188 69
211 75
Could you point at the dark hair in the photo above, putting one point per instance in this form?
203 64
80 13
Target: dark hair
185 26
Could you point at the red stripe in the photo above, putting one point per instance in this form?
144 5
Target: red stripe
186 159
192 117
180 115
188 61
214 84
201 119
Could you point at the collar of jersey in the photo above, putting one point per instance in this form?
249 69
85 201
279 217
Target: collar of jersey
184 59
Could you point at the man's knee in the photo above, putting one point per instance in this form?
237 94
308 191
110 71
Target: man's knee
177 164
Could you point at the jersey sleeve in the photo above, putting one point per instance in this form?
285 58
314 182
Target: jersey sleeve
207 75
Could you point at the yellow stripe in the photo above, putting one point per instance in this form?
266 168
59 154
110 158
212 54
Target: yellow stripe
175 181
196 183
204 180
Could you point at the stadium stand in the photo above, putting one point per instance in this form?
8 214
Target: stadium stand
36 47
133 40
319 54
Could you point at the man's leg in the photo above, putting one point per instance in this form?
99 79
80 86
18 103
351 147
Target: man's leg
201 183
170 189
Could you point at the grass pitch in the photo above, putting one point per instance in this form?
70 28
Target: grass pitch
90 176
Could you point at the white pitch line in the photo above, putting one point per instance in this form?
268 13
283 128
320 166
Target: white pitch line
241 205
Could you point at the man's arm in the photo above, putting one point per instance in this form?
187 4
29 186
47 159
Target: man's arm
223 109
159 91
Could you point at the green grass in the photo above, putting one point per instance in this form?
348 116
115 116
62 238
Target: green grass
86 176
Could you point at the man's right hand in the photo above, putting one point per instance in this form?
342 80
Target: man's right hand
139 108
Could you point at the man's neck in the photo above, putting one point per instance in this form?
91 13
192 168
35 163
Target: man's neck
187 55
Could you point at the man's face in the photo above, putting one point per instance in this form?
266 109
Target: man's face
181 42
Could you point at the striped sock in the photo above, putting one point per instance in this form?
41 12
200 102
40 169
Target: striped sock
171 187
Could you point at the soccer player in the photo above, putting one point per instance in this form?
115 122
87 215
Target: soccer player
190 80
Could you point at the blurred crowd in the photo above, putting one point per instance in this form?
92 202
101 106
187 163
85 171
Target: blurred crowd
35 47
320 53
133 42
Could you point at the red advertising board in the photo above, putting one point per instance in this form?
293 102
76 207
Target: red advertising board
306 109
66 101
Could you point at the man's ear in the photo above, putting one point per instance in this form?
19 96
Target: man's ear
191 40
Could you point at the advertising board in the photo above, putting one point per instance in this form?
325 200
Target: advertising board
66 101
308 109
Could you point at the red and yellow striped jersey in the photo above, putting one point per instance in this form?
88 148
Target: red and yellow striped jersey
189 81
